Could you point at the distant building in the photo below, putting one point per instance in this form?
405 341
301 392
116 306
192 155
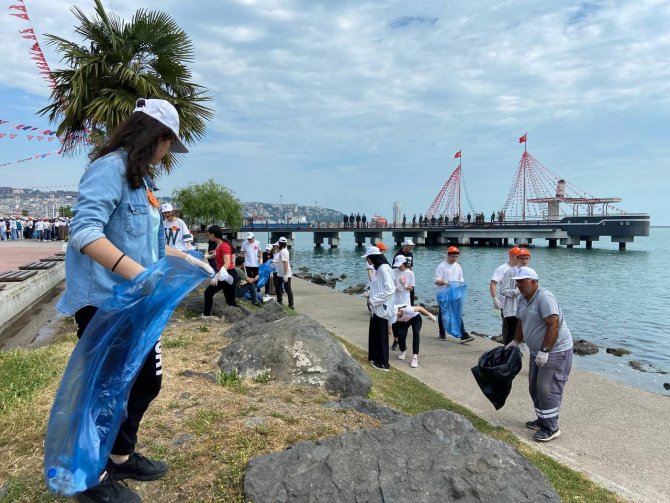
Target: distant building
397 212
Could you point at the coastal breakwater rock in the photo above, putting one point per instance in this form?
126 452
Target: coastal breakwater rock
292 349
434 456
375 410
195 302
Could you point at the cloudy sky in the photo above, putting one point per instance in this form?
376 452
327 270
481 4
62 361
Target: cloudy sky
355 104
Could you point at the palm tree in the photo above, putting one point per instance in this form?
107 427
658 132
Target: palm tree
122 62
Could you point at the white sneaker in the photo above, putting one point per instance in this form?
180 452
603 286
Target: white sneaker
401 356
268 298
414 363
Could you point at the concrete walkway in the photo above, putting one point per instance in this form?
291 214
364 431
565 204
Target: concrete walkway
615 434
23 251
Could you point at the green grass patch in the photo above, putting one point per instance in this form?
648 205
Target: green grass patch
24 372
409 395
263 377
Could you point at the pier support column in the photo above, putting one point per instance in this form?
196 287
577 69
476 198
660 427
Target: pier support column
464 241
589 245
553 243
334 242
622 240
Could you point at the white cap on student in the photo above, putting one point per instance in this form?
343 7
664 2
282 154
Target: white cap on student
165 113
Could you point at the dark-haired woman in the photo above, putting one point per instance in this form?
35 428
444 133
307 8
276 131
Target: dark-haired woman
226 277
382 308
116 232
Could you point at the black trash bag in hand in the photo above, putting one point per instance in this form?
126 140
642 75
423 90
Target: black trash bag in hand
496 371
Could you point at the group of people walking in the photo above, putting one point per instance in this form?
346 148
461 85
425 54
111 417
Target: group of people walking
530 314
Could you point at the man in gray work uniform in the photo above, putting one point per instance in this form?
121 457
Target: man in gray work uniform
541 326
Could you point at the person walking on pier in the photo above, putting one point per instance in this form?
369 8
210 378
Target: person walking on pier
284 273
364 221
382 308
510 294
450 270
115 233
497 297
542 327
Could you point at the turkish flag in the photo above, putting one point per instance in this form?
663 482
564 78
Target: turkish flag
522 139
457 154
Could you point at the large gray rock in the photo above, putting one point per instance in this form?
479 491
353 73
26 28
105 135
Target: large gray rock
437 456
371 408
268 313
195 302
296 350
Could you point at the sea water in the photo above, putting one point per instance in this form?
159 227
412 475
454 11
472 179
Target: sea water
611 298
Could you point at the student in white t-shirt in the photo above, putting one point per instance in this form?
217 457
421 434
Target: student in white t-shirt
251 250
284 273
404 281
175 229
408 316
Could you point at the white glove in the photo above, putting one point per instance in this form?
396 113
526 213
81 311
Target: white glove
224 276
541 358
199 263
214 281
431 317
496 303
286 279
512 344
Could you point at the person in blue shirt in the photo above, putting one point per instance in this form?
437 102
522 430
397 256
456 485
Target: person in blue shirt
116 232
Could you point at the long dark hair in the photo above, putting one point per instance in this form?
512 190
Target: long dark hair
217 232
378 260
139 134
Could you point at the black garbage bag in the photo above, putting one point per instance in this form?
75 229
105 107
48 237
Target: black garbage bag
496 371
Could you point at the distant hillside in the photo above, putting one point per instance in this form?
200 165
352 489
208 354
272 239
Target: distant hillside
294 212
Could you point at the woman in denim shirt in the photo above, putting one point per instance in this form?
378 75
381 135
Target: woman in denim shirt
116 232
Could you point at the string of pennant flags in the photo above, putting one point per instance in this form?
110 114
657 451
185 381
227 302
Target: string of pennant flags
20 11
25 127
38 156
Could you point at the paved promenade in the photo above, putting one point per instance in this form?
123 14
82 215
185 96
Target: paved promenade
16 253
616 434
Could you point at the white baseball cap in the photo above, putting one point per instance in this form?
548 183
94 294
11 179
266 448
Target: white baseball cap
250 235
268 247
408 242
372 250
525 273
399 260
282 240
166 207
165 113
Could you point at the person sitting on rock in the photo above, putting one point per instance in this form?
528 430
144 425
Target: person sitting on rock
246 284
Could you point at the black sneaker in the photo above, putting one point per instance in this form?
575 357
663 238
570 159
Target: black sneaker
544 435
137 467
467 338
443 337
534 425
110 490
394 346
379 366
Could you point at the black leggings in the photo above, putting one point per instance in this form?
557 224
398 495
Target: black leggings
400 329
144 390
228 293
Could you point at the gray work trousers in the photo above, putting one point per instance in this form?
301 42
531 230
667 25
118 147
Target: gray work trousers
546 384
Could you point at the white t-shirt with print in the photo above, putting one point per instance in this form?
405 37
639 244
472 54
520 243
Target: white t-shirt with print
250 250
283 257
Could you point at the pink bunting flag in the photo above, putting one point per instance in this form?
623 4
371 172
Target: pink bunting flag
22 16
30 137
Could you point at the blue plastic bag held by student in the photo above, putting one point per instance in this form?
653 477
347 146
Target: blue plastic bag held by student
91 401
451 300
264 272
196 253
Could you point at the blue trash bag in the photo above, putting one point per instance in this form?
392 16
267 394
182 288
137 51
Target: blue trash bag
264 273
91 401
196 253
451 302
